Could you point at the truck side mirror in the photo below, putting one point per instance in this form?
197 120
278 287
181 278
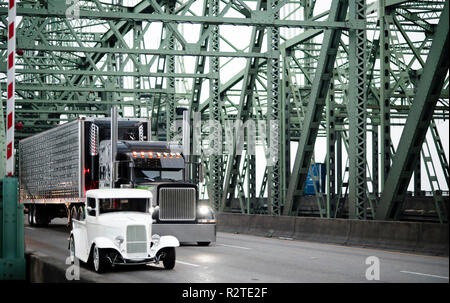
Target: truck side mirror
201 172
116 171
91 211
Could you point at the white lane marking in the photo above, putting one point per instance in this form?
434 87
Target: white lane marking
31 228
420 274
186 263
234 246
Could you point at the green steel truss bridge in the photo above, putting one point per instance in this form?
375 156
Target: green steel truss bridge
341 76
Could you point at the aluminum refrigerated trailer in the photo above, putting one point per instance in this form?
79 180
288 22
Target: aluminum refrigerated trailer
58 166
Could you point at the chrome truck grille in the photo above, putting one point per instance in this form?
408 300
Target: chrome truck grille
136 239
177 204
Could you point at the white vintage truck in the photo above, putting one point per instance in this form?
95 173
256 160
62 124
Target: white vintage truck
115 228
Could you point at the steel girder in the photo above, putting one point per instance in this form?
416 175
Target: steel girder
72 69
385 83
216 146
420 115
244 111
316 104
356 107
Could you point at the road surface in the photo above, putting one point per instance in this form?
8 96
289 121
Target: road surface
238 258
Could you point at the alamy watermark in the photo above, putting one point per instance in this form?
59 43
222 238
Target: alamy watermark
73 271
373 271
211 137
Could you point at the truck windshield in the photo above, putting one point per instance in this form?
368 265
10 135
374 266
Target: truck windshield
114 205
158 175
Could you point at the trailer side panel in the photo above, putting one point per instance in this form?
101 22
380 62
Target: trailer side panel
51 165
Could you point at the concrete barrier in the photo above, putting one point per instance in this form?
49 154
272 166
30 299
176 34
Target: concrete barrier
261 225
271 226
234 223
429 238
433 237
333 231
384 234
45 269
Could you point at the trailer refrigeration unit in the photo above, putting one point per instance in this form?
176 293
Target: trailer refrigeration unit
58 166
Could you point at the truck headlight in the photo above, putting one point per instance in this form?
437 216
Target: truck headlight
119 240
205 214
155 240
203 210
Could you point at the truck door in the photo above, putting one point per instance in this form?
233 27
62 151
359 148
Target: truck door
81 241
91 221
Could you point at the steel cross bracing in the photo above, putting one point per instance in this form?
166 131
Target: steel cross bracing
125 53
356 107
243 114
408 153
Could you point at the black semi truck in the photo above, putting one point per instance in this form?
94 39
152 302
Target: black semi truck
58 166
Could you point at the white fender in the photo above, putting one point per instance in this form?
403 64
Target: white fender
164 241
103 242
80 245
168 241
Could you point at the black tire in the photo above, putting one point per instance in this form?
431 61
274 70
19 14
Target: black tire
72 249
30 215
169 258
33 216
81 214
41 217
99 262
74 213
203 243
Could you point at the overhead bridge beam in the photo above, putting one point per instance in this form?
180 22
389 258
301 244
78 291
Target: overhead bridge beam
261 20
420 115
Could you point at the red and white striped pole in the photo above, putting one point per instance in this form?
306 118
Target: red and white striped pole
10 88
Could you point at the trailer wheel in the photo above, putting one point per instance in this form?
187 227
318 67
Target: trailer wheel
40 217
169 258
74 213
99 259
81 214
30 215
33 216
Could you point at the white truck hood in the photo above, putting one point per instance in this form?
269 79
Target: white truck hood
122 219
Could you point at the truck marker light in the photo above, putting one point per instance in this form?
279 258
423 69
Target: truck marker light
178 156
134 154
165 155
142 155
159 155
150 155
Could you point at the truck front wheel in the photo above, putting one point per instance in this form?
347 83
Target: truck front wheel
99 259
72 249
169 257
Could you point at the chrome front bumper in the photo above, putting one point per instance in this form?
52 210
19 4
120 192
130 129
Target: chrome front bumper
187 232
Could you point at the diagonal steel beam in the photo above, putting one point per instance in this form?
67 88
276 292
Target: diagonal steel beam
417 124
316 104
244 110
